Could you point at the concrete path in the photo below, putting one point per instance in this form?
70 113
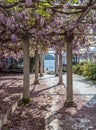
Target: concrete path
52 118
57 116
85 88
82 88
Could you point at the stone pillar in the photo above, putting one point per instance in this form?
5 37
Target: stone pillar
60 69
36 67
41 64
26 68
56 64
69 99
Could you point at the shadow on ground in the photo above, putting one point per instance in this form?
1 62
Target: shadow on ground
32 116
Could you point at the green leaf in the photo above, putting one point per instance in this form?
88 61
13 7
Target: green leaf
75 1
10 1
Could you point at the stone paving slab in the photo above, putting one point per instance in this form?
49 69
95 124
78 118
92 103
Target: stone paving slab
60 118
10 95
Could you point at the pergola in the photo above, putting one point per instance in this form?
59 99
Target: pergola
68 36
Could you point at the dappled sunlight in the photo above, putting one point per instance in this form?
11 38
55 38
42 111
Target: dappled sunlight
26 115
47 77
42 44
47 105
74 118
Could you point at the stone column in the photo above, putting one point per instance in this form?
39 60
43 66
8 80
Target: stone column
26 68
56 64
69 99
60 69
41 64
36 67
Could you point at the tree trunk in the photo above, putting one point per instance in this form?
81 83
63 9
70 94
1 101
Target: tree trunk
36 67
56 64
26 90
60 69
41 64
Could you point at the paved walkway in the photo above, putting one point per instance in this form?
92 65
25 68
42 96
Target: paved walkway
85 97
51 98
85 87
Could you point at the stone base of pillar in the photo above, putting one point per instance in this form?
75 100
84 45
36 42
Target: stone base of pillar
56 75
24 101
36 82
69 104
60 83
41 75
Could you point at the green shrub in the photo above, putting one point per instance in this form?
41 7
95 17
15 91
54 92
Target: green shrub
87 69
90 71
77 69
64 68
